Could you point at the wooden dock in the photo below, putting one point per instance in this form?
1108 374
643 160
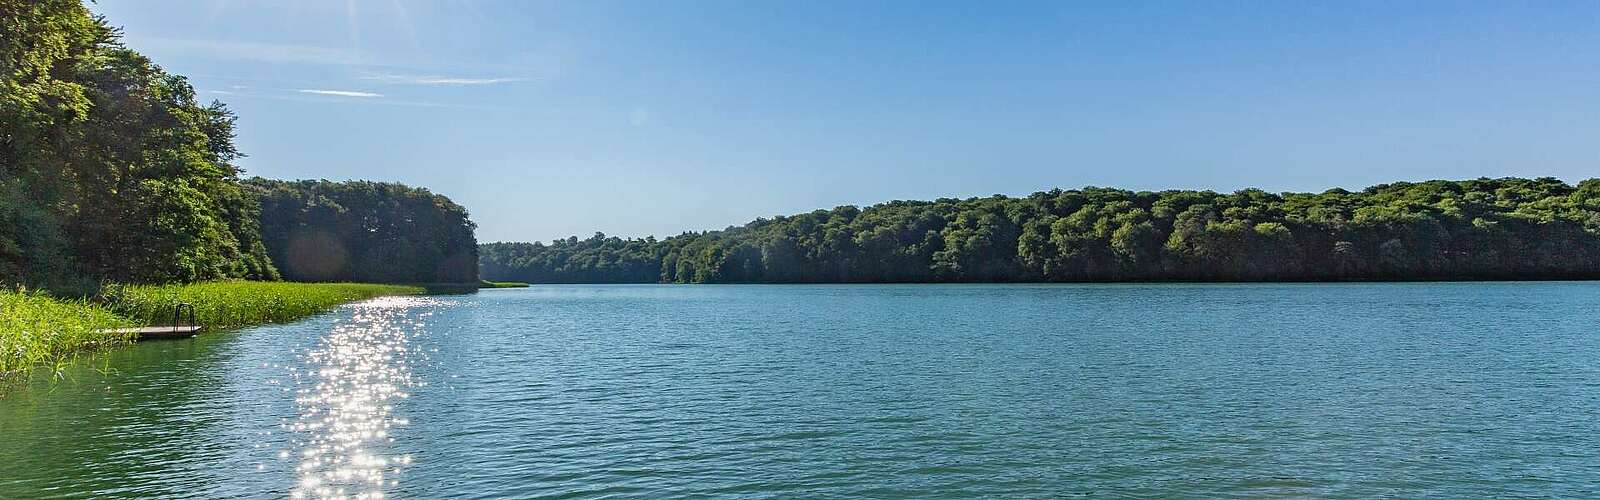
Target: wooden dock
181 313
161 332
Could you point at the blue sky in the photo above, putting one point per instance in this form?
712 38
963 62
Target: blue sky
634 118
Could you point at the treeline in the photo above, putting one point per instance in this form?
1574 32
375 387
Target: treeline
1437 230
365 231
112 170
109 167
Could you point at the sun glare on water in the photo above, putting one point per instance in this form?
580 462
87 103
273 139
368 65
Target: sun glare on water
346 396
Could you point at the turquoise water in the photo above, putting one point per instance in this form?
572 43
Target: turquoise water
1343 390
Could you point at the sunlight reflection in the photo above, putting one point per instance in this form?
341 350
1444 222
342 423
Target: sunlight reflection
345 395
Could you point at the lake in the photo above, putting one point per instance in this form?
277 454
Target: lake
1328 390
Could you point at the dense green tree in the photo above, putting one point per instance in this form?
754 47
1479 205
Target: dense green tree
366 232
40 43
110 169
1472 229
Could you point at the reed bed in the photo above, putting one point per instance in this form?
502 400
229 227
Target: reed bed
226 304
38 329
503 284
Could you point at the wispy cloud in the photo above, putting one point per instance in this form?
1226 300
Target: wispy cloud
251 51
312 95
340 93
407 67
440 80
466 81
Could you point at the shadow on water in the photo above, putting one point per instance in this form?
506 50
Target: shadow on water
452 288
142 415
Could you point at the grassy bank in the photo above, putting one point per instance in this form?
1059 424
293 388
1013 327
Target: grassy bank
38 329
503 284
241 303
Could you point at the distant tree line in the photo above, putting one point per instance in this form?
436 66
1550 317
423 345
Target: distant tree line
112 170
1437 230
364 231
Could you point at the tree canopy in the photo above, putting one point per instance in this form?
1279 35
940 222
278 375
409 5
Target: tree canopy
363 231
1473 229
112 170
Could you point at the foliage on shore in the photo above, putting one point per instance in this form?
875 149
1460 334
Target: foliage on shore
240 303
112 170
503 284
363 231
1437 230
36 328
110 167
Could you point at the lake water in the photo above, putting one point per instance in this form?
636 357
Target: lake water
1341 390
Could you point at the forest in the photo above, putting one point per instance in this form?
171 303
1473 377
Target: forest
113 171
1489 229
362 231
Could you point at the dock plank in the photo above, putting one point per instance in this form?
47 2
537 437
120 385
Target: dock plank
159 332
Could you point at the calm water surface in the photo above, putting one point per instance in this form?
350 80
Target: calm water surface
1354 390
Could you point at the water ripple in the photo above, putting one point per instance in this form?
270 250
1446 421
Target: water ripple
348 386
1016 391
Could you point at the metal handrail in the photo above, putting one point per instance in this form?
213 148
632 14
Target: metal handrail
178 314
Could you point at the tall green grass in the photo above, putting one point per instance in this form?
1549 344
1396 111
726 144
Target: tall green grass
503 284
38 329
226 304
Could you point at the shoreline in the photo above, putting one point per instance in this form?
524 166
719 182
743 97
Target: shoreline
40 330
1105 282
